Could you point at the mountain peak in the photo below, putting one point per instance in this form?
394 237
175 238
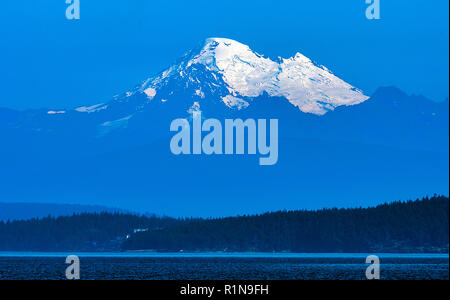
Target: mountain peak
218 53
229 72
301 58
226 41
248 75
225 44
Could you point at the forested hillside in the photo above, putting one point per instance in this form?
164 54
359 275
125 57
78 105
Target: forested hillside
414 226
28 211
80 232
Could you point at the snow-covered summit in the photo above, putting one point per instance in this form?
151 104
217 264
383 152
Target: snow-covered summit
228 73
238 75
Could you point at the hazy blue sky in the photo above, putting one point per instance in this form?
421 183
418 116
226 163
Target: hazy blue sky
49 61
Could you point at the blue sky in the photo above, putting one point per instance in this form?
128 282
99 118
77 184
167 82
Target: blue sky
49 61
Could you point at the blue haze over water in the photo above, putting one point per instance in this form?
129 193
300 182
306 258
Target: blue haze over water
361 156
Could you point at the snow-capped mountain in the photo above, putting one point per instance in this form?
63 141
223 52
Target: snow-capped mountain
337 147
224 78
220 77
227 71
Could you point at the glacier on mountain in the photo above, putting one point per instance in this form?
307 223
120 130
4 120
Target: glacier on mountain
238 75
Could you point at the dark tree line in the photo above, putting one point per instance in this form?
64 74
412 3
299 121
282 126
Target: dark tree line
80 232
413 226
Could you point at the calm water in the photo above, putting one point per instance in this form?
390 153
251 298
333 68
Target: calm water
227 266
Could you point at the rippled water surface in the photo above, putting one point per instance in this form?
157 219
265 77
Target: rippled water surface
240 266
